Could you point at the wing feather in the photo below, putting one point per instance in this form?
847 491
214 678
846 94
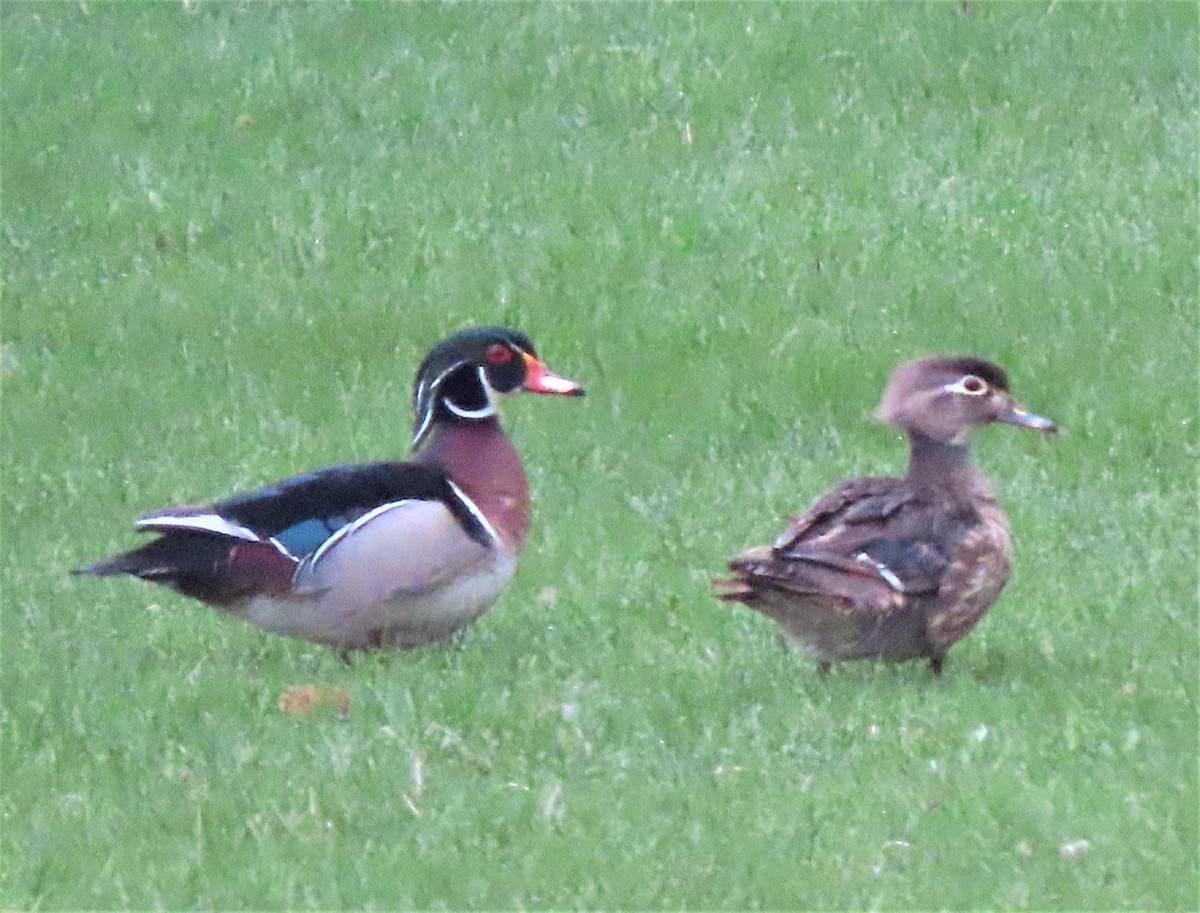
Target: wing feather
864 549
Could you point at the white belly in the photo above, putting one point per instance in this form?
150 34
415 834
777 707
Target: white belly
404 620
405 577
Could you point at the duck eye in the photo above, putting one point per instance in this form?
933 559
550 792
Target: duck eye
498 354
969 385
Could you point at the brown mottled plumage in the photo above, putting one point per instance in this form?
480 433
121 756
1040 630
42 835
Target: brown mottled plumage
897 568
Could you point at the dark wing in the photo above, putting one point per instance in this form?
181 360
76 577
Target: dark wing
303 511
253 543
853 502
866 548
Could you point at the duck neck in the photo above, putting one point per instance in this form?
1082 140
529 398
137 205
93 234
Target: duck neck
939 464
481 460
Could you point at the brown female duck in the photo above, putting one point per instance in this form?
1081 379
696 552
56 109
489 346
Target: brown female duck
897 568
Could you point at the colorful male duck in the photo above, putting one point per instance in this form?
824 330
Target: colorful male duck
897 568
387 554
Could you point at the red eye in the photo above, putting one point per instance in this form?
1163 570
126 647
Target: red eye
973 384
498 354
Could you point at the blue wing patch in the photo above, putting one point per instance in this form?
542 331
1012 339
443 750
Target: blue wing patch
303 538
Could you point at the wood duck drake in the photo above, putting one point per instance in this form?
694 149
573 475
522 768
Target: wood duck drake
897 568
386 554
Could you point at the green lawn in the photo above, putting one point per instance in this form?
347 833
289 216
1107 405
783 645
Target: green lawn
229 233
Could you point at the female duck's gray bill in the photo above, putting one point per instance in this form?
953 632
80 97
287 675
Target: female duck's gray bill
1017 414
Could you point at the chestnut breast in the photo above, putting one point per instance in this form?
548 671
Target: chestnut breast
482 461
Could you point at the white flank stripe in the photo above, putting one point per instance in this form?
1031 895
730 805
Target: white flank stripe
205 523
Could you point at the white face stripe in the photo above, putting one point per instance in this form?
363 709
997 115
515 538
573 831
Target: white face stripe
427 417
475 512
423 391
205 523
424 428
961 386
489 409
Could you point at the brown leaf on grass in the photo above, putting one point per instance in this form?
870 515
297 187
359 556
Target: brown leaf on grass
307 700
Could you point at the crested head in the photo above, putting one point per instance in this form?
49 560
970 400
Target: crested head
944 397
460 377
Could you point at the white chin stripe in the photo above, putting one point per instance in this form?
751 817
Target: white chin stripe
205 523
486 411
427 418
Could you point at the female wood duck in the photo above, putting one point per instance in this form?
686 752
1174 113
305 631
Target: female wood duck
898 568
387 554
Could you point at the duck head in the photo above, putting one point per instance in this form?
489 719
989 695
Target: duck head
461 377
943 398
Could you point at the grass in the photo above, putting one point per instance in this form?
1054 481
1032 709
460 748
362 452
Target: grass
231 231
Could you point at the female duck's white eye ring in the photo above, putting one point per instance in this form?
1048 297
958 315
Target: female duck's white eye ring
968 384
